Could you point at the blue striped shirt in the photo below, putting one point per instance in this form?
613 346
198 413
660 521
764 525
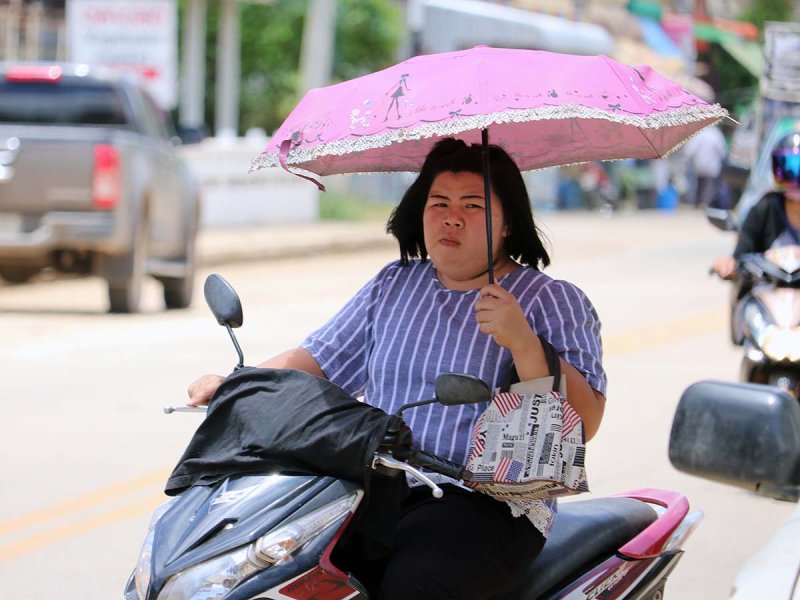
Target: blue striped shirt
403 328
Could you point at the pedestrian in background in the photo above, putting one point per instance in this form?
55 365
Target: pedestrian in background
706 153
643 180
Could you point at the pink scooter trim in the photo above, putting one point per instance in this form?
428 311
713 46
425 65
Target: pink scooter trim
650 542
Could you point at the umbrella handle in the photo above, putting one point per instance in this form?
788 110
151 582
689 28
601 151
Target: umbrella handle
487 194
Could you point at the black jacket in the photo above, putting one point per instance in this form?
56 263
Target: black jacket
762 226
263 419
260 420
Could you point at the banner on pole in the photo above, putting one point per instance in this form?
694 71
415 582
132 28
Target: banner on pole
135 37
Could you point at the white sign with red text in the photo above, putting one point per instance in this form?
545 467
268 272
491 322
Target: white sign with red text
136 37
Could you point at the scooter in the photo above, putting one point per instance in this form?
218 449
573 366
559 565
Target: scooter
274 535
765 311
766 317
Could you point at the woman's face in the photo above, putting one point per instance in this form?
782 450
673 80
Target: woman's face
454 225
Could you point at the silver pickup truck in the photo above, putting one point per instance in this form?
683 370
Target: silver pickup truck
91 182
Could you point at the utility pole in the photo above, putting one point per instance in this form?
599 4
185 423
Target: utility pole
319 36
13 21
193 68
415 21
226 121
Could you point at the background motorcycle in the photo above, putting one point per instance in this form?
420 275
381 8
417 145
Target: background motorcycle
768 317
274 536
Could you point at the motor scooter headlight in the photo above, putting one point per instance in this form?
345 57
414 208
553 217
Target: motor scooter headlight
141 576
782 344
755 323
213 579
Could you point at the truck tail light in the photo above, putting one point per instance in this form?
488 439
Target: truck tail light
106 183
34 73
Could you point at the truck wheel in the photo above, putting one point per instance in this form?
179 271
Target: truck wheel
124 295
16 274
178 290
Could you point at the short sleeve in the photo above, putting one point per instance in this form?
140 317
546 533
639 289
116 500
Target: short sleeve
565 317
341 346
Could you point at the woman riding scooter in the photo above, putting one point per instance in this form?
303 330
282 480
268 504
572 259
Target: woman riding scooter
775 220
764 313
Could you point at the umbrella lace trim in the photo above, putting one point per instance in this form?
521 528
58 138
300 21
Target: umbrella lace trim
674 118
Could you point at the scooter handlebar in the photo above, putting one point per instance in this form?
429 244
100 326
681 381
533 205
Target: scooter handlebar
437 464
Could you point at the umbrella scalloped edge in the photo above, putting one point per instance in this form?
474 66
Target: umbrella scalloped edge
304 156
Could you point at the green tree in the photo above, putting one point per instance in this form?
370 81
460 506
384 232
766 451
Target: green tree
736 87
768 10
368 35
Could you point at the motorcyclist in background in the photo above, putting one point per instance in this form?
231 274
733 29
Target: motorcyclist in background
775 220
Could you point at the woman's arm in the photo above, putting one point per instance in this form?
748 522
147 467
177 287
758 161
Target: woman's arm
531 363
500 315
202 390
296 358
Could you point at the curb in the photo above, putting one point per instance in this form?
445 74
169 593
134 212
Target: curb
222 246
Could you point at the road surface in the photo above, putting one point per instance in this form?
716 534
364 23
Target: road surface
86 447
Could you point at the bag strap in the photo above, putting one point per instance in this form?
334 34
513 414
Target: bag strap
553 367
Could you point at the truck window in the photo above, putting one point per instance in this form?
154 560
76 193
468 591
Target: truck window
161 117
154 121
63 103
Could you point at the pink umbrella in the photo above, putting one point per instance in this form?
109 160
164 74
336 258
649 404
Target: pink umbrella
543 108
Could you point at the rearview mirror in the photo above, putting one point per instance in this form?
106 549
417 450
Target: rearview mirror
458 388
721 219
223 301
226 307
453 389
742 434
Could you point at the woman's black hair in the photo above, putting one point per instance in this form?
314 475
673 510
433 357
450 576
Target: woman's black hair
524 240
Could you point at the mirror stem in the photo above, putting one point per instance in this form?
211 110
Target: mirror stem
236 345
413 404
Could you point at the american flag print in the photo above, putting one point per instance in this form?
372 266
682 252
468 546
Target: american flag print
570 418
505 402
502 468
478 443
514 471
528 446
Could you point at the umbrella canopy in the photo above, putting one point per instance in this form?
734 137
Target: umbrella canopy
543 108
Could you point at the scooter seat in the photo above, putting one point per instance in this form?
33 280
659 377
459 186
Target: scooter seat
584 531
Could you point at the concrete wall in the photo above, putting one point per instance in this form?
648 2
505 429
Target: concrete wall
232 196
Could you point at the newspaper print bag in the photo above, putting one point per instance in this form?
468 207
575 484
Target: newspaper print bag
529 442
